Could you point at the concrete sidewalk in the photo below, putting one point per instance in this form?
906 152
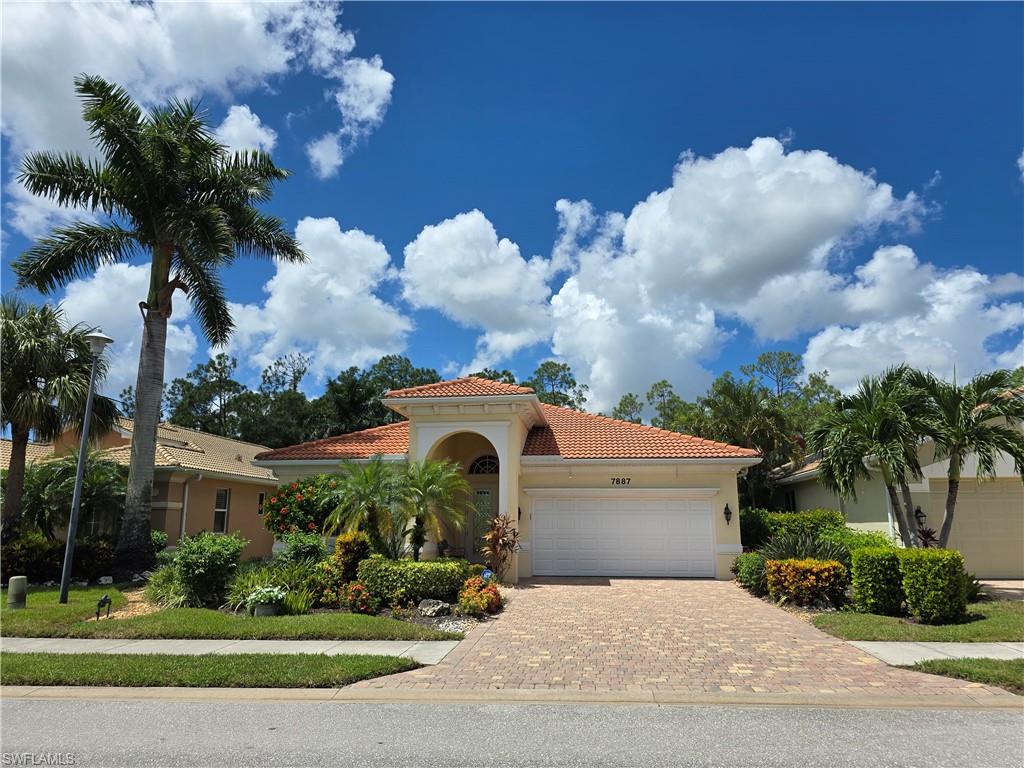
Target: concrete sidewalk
427 652
905 654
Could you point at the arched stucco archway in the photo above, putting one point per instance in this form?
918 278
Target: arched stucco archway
482 466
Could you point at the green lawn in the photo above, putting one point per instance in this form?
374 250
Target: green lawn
1005 673
44 617
251 670
997 621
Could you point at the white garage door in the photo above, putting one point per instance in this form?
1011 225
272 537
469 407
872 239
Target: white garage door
580 536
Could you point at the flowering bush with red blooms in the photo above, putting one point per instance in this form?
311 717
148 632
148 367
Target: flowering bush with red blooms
359 600
478 597
298 507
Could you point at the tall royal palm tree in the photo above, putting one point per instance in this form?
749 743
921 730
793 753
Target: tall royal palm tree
365 499
433 490
880 424
167 188
982 417
45 382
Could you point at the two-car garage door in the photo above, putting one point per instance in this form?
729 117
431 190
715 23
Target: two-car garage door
587 536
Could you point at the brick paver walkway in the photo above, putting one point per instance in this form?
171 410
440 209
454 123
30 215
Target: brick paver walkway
661 635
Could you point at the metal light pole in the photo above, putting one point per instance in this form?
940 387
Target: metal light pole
97 343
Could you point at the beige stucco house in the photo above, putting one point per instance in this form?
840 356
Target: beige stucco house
591 496
202 482
989 524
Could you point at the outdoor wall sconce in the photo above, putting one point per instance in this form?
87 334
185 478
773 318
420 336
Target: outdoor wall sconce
728 514
921 517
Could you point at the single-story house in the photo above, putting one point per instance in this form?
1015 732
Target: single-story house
590 495
202 482
988 527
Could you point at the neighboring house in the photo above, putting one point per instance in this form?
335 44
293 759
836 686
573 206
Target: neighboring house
989 524
33 452
202 482
591 496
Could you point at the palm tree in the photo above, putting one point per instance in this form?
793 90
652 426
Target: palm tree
167 188
45 382
747 414
433 490
981 417
880 424
365 499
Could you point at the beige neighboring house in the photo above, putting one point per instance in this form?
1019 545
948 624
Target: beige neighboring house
988 527
202 482
33 452
590 495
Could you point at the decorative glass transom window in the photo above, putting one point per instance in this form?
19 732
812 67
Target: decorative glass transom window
484 465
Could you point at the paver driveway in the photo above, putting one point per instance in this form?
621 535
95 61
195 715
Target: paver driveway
661 635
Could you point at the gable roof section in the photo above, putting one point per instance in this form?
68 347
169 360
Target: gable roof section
33 452
389 439
578 435
191 450
467 386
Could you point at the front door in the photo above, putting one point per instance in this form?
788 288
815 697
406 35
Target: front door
482 509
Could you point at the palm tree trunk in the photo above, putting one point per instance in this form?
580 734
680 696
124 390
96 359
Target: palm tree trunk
911 518
15 482
134 552
951 494
901 520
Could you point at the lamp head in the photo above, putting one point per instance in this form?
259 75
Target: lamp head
98 342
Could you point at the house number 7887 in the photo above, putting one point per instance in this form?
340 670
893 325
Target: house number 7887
621 480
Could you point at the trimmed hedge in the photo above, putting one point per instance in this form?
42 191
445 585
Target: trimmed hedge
749 570
205 565
933 582
759 525
42 559
877 583
806 582
404 581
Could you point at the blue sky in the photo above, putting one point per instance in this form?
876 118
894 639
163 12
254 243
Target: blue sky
852 189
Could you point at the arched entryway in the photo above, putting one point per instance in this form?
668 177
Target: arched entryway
480 464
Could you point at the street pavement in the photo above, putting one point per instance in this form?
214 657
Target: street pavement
238 734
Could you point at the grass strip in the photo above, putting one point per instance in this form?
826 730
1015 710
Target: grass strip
999 621
1004 673
251 670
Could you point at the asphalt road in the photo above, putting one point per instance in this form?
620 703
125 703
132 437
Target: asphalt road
118 733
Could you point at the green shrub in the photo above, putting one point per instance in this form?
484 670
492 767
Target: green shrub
749 571
164 588
34 556
297 602
758 526
397 582
247 581
206 563
477 569
933 582
806 582
877 584
974 590
350 549
94 557
811 522
854 539
301 546
298 507
754 527
803 546
158 540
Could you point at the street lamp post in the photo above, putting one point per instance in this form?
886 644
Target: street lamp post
97 343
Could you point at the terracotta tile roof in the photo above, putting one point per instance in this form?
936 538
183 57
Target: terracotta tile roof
389 439
191 450
577 435
33 452
787 473
467 386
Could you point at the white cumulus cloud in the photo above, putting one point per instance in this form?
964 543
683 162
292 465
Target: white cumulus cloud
108 300
461 268
243 129
327 307
157 51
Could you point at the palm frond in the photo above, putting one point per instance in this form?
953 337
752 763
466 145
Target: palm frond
72 251
70 180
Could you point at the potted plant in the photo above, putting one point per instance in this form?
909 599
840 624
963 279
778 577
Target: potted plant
265 601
